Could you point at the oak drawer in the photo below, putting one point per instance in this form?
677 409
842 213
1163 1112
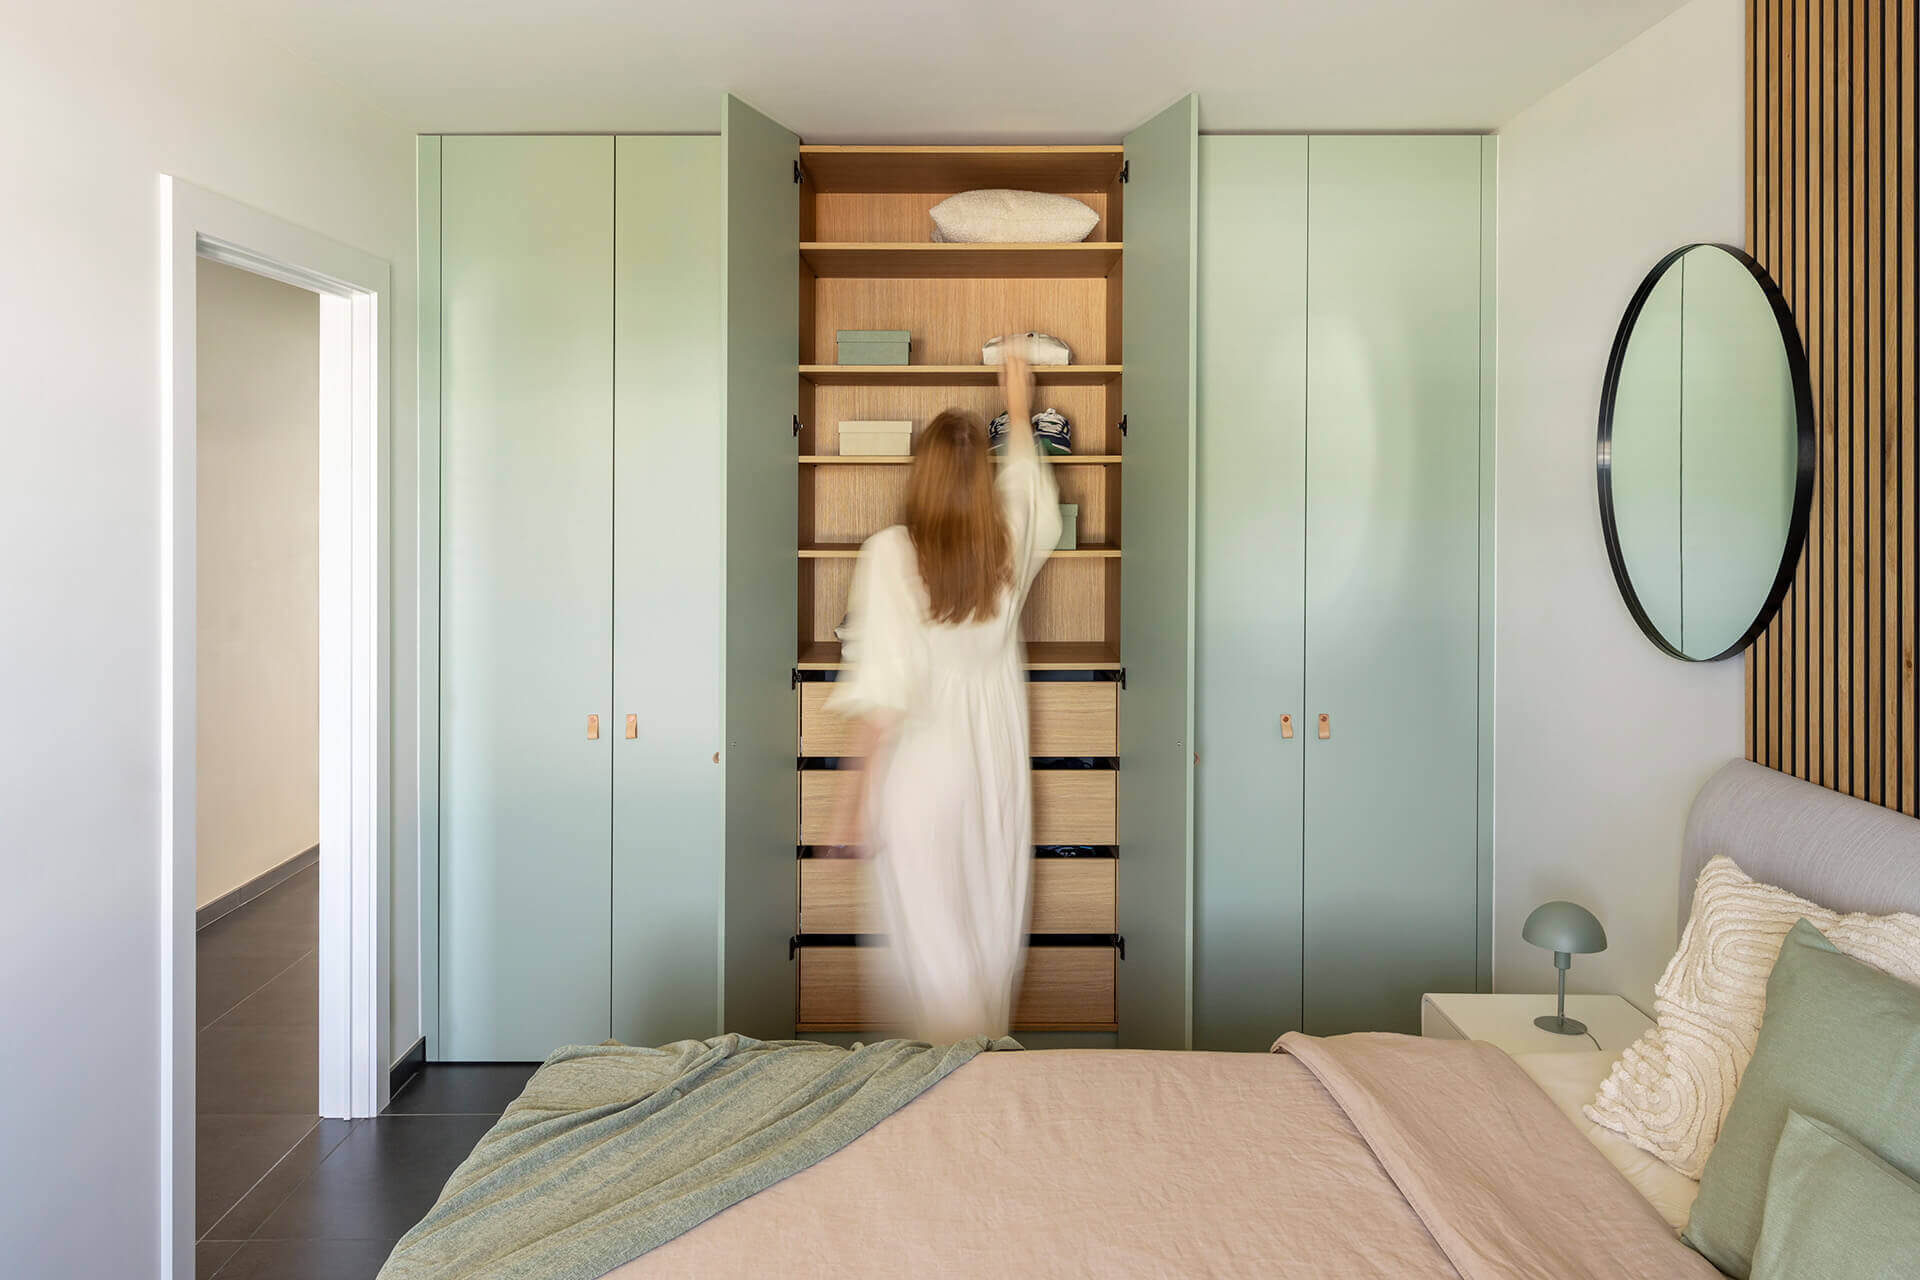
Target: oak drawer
1070 806
1065 718
1063 989
1070 895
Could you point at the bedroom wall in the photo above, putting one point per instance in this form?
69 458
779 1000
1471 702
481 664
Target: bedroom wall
100 99
1601 740
257 672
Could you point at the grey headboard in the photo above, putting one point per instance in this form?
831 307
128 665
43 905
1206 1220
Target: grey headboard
1842 853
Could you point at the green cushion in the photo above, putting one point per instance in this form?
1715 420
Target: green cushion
1835 1210
1840 1043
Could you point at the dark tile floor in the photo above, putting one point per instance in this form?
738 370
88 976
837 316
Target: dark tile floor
281 1193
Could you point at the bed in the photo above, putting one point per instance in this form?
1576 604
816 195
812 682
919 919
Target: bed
1355 1155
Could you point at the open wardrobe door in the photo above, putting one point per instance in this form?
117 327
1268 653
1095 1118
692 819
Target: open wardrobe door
1155 797
760 283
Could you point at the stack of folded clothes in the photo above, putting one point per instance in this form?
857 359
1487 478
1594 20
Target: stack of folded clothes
1052 433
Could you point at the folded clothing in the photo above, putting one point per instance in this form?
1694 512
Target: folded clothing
1052 433
1038 348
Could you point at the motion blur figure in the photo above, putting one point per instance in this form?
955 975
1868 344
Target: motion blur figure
934 677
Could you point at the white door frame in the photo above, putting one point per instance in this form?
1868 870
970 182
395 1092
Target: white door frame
355 708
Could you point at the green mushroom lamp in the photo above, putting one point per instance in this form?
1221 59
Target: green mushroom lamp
1567 929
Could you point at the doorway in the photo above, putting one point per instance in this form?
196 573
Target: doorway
341 893
257 731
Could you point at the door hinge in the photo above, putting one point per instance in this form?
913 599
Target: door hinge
1120 945
1123 677
796 173
796 426
793 945
794 682
1123 424
1124 166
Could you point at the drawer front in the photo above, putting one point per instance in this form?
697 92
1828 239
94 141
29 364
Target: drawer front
1070 895
1062 989
1066 989
1065 718
1070 806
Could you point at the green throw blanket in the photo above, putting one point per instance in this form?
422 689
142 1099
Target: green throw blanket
612 1151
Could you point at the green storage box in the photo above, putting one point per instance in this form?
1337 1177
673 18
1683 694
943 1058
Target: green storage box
1069 527
870 346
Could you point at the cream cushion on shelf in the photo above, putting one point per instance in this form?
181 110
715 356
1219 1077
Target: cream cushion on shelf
1012 217
1670 1091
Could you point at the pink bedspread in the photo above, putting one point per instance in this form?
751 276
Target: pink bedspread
1355 1156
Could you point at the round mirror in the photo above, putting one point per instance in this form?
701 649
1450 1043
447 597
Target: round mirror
1706 452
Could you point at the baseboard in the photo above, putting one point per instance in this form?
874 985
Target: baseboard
232 900
407 1067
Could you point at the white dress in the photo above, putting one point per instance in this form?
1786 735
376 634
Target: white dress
950 812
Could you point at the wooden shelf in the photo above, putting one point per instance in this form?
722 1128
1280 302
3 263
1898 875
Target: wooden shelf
851 550
924 169
950 375
1073 655
986 261
861 460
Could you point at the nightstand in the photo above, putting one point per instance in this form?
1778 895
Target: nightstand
1507 1021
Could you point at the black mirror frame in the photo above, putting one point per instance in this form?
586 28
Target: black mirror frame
1803 479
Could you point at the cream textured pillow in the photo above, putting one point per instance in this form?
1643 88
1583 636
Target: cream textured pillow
1012 217
1670 1090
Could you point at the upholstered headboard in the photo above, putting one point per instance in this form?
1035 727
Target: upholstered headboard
1840 852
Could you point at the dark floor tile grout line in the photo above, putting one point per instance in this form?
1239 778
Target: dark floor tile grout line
241 1198
262 987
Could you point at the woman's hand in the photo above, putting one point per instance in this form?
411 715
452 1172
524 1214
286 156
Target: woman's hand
1016 383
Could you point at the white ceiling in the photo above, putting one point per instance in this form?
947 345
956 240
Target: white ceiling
857 70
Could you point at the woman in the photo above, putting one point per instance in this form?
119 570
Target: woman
934 679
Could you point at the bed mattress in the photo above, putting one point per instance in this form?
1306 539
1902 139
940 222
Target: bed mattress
1119 1163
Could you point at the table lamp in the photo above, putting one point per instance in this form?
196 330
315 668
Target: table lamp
1566 929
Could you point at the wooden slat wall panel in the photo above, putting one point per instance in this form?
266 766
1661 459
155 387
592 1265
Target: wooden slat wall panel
1830 176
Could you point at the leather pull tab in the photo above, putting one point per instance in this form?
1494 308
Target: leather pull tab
593 728
1326 726
633 727
1286 726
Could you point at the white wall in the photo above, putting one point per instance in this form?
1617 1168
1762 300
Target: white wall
257 667
100 99
1601 740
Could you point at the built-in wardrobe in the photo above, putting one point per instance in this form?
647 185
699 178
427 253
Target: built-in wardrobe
570 314
1342 585
646 534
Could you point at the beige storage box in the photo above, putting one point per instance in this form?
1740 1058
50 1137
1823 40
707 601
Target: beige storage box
876 439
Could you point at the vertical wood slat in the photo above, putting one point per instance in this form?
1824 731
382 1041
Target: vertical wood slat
1829 170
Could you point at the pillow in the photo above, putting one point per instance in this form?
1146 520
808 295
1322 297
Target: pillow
1569 1079
1835 1210
1670 1090
1012 217
1840 1044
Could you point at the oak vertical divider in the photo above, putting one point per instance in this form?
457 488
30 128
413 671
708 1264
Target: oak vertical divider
867 261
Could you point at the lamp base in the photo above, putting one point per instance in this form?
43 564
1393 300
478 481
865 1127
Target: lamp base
1560 1026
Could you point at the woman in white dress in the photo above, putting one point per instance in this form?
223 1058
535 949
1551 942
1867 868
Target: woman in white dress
934 678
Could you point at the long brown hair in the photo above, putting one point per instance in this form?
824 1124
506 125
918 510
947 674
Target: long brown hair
965 553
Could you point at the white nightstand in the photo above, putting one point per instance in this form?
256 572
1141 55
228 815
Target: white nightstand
1507 1021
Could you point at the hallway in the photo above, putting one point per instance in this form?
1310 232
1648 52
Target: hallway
281 1193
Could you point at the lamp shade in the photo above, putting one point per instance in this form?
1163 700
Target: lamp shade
1564 926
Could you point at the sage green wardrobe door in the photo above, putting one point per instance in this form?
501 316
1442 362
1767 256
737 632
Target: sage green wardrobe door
526 594
1250 516
1154 877
1392 567
669 530
761 297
